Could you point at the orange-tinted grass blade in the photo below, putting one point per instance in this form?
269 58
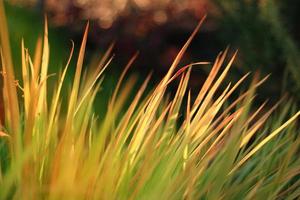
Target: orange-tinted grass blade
37 60
10 90
182 51
213 89
3 134
106 56
184 68
129 64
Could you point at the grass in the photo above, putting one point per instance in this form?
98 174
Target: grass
156 148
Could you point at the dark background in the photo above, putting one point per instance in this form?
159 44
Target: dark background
265 32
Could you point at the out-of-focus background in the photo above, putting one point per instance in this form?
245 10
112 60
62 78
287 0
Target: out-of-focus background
266 33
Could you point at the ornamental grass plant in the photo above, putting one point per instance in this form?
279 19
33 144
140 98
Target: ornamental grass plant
201 146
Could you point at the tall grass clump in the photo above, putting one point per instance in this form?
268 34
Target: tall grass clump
205 147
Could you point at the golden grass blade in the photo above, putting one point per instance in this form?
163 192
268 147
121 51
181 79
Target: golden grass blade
264 141
227 126
66 141
54 105
26 79
255 114
216 67
159 91
215 129
239 99
176 103
76 83
99 67
42 101
110 118
90 87
202 124
38 56
257 125
32 107
149 138
187 130
122 135
213 89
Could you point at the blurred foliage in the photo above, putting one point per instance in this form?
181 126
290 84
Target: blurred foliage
106 12
263 33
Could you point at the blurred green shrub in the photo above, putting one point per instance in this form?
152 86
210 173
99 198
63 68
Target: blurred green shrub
265 35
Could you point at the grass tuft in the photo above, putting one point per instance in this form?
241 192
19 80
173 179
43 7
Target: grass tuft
207 147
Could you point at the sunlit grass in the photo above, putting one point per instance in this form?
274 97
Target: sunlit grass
217 150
